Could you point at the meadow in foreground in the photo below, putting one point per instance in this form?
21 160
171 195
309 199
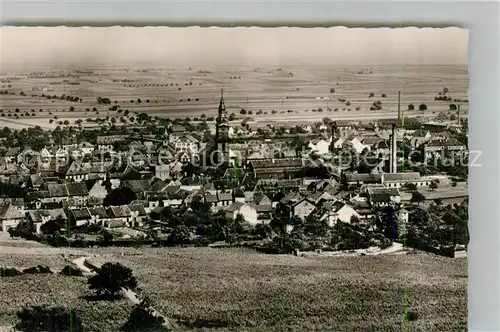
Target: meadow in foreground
228 290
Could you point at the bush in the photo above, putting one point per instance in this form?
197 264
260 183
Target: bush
38 270
142 319
111 278
71 272
44 319
9 272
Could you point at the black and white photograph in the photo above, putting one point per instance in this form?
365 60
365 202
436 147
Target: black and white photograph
234 179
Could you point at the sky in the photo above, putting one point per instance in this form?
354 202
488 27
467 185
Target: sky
167 47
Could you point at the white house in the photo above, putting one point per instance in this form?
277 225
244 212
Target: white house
338 211
10 216
320 147
248 212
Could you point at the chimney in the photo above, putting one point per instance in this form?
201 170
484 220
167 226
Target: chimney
399 105
394 149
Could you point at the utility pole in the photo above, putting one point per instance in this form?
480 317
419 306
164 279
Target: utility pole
458 113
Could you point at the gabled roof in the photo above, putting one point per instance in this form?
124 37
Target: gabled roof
80 214
224 196
365 178
234 207
12 152
407 176
138 185
98 211
36 215
77 189
8 211
120 211
57 190
263 208
138 208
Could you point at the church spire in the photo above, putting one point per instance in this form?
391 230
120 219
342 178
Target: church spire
222 106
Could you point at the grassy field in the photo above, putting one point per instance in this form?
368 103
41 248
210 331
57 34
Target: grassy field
56 290
241 290
198 90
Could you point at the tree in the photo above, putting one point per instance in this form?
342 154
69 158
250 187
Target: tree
372 94
453 107
433 185
106 236
120 196
411 186
111 278
45 319
180 235
377 105
445 90
422 107
417 197
142 319
332 90
53 226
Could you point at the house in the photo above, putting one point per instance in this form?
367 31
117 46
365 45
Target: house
10 216
11 155
79 217
259 198
338 143
398 180
186 143
78 194
352 178
108 143
248 212
85 148
35 181
344 128
162 172
318 196
355 143
302 208
40 217
119 216
82 171
57 193
334 212
98 215
138 215
443 149
264 213
46 155
276 168
98 192
224 199
380 195
320 147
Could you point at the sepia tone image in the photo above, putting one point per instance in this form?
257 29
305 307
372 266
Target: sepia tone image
233 179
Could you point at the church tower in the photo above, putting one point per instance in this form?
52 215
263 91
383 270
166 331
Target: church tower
222 131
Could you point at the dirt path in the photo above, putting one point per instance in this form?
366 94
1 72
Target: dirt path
129 294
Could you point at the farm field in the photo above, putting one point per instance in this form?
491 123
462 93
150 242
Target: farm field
198 90
241 290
